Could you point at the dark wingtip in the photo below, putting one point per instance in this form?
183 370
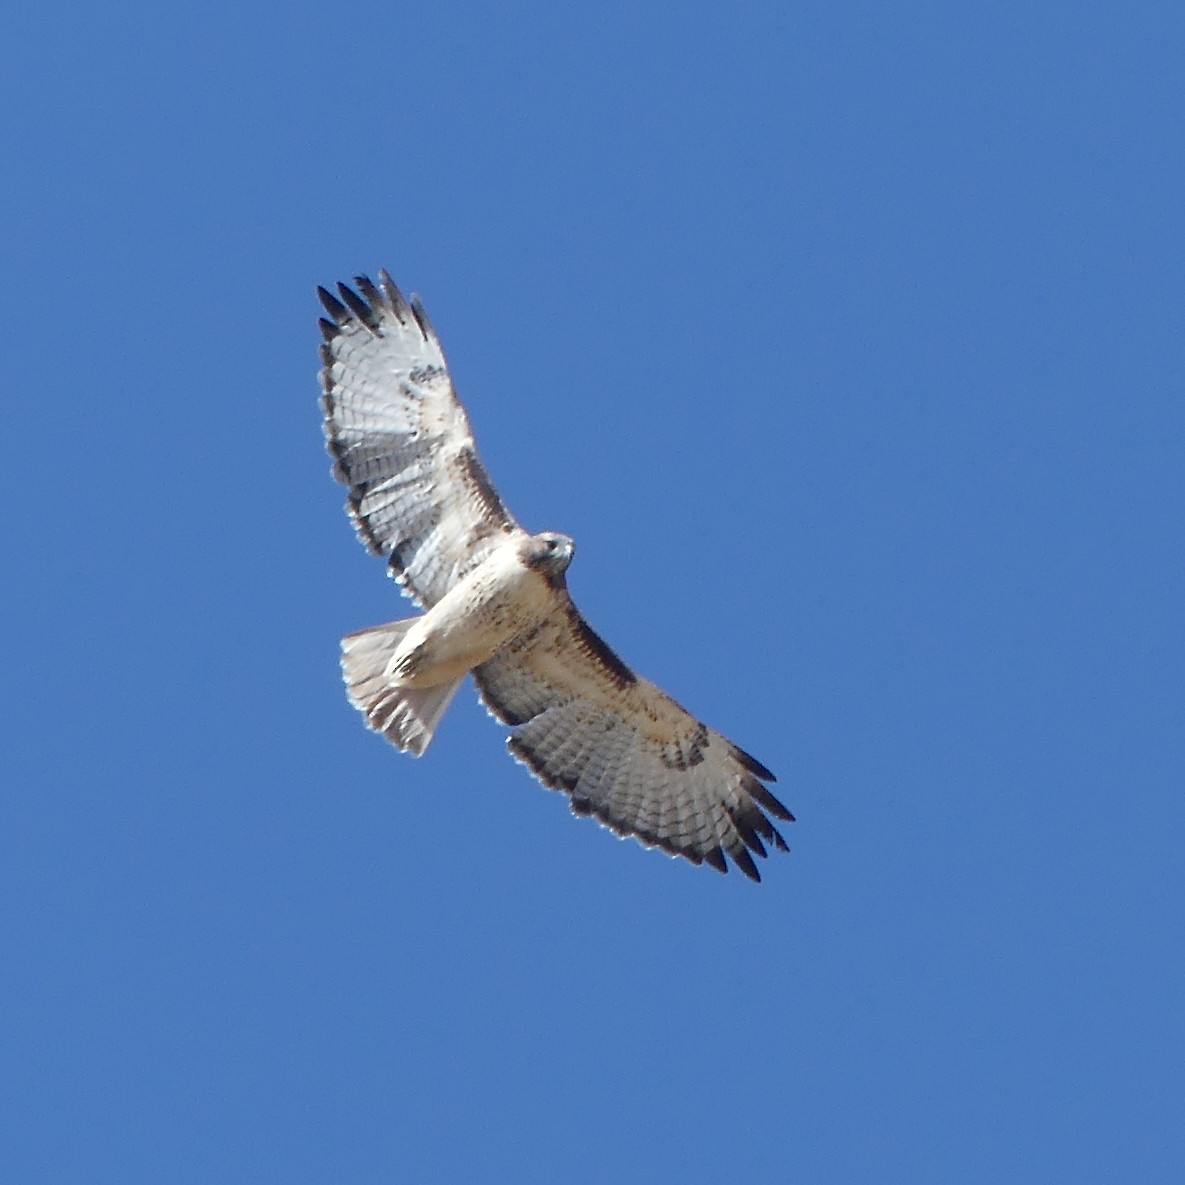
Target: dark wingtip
775 806
394 297
333 306
715 858
389 287
744 862
748 831
361 310
767 800
422 320
752 764
371 294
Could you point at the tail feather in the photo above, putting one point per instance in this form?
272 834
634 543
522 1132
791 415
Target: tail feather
406 716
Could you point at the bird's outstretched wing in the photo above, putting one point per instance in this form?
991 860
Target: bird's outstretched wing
401 440
625 751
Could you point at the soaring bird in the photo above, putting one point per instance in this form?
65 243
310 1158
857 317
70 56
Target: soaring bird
496 605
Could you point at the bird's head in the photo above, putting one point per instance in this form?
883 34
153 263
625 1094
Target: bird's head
550 553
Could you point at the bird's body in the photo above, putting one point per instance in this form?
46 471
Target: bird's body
497 605
499 601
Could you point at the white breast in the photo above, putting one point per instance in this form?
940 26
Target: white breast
496 602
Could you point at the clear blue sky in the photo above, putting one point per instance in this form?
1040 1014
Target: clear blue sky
847 341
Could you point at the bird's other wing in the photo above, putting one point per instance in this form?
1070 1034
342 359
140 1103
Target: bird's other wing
625 752
418 494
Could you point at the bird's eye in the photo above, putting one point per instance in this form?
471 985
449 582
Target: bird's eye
551 545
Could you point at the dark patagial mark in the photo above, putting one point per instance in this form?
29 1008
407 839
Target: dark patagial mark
596 647
471 472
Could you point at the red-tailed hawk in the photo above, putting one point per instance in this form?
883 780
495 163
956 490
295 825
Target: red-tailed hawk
496 605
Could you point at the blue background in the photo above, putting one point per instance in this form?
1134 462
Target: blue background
847 342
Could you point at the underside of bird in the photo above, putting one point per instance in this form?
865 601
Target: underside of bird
496 604
406 713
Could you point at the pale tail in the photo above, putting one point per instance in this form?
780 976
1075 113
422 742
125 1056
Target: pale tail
406 716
